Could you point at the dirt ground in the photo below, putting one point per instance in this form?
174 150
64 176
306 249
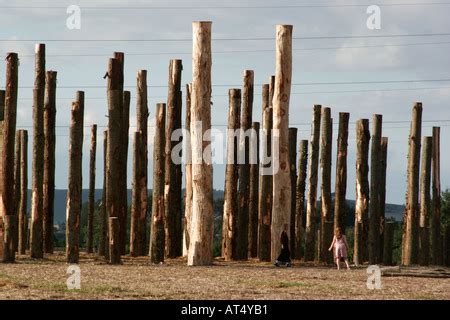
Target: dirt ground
137 278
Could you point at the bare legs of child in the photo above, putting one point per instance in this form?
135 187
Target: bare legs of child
338 264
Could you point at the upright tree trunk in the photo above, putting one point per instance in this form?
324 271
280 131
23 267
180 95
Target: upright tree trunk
91 199
230 205
188 174
293 173
265 195
74 190
425 205
37 177
281 209
135 195
311 207
388 243
173 175
436 244
22 210
446 242
375 191
362 191
7 196
16 187
142 119
411 216
157 231
201 239
300 197
325 167
383 168
244 167
114 157
103 226
49 159
123 167
254 192
341 172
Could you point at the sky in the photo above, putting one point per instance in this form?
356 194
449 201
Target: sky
327 51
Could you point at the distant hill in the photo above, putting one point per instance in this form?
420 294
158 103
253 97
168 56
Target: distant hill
392 210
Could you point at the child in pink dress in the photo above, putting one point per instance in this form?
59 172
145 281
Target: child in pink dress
340 248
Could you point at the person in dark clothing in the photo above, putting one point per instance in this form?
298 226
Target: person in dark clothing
285 255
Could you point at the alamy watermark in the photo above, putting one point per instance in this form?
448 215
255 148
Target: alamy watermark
374 20
374 277
73 21
74 280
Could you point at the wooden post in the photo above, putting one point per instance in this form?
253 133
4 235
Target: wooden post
436 244
49 159
114 238
411 215
244 167
173 175
114 157
201 240
188 175
74 190
37 177
300 196
230 204
327 238
446 243
311 207
293 173
22 211
91 199
157 231
123 173
254 192
16 187
142 119
341 172
103 226
362 191
135 195
281 209
375 188
389 228
325 167
425 205
7 201
383 169
265 195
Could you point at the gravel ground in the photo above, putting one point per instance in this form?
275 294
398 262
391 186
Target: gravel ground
137 278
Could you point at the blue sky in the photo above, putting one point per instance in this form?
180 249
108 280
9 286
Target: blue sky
315 60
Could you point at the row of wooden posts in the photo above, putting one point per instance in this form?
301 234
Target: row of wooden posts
256 206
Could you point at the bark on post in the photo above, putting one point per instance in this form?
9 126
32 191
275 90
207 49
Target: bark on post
254 192
311 207
7 201
22 210
91 199
74 190
173 175
375 191
411 215
16 187
37 177
114 239
113 181
341 172
123 171
135 195
201 239
389 228
281 209
103 226
142 119
425 205
362 191
300 196
293 173
446 243
244 167
230 205
188 174
49 159
326 142
383 168
157 231
436 244
265 195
